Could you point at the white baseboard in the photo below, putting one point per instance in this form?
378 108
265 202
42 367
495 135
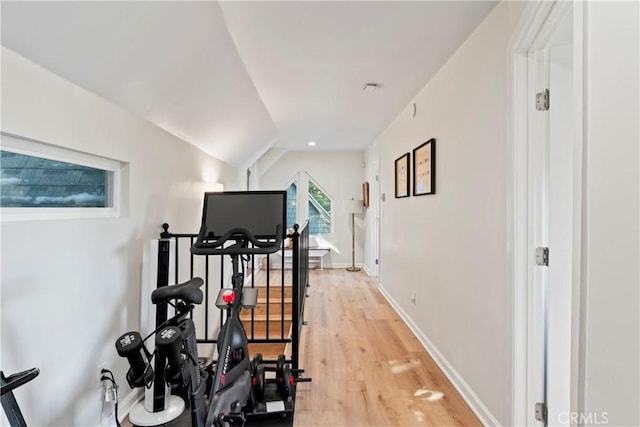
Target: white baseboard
315 265
340 265
366 270
474 402
127 403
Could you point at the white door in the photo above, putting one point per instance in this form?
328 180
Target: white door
554 208
560 234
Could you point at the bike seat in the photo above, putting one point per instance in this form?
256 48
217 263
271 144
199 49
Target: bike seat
188 292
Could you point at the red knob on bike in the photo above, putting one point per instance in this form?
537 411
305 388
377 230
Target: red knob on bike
228 296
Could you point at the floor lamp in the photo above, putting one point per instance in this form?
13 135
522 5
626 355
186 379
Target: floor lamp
353 207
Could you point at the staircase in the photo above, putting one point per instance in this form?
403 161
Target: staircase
255 321
272 318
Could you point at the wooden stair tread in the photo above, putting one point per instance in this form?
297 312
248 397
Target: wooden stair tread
264 285
275 291
272 287
275 300
273 317
268 350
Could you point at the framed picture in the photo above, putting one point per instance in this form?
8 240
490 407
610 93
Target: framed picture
424 168
365 194
402 176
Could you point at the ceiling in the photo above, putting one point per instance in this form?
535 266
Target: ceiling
237 78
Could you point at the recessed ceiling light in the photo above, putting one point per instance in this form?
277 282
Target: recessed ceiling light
311 143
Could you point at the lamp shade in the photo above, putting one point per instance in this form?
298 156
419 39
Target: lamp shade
352 206
215 187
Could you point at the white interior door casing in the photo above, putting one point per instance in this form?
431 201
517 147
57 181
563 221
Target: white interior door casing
547 188
537 288
552 202
560 234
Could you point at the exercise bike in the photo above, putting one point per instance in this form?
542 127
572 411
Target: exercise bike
239 382
234 385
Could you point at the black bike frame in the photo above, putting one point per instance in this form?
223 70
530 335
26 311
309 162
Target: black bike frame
232 338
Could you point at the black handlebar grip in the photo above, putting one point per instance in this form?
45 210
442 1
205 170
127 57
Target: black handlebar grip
14 381
205 246
169 342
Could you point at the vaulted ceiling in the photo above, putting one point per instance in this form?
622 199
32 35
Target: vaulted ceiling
237 78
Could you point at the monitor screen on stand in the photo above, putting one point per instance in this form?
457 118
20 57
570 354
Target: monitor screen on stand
259 212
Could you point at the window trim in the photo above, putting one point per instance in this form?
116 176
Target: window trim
114 186
295 180
302 179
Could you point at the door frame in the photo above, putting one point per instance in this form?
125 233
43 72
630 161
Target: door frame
538 22
375 226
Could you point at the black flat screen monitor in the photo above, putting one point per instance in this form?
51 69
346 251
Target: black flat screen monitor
259 212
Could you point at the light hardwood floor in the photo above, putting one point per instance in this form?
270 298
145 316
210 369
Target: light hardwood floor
368 369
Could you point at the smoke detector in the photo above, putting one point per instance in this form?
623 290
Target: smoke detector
370 87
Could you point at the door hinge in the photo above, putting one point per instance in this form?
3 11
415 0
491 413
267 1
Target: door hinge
541 412
542 100
376 262
542 256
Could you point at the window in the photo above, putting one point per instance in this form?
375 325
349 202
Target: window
314 204
33 182
292 211
319 210
40 181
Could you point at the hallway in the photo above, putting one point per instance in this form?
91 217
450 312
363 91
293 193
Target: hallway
367 367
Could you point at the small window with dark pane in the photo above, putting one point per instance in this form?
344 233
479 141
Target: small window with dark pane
292 210
35 182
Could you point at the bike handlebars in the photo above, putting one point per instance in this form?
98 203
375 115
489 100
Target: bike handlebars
16 380
215 247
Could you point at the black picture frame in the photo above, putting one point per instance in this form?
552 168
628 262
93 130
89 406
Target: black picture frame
424 168
402 176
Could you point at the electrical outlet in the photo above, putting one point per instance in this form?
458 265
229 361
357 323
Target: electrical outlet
110 393
413 297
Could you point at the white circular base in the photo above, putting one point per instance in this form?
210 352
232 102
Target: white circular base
140 417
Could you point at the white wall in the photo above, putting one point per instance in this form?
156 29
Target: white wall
457 242
611 239
70 288
341 174
449 248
